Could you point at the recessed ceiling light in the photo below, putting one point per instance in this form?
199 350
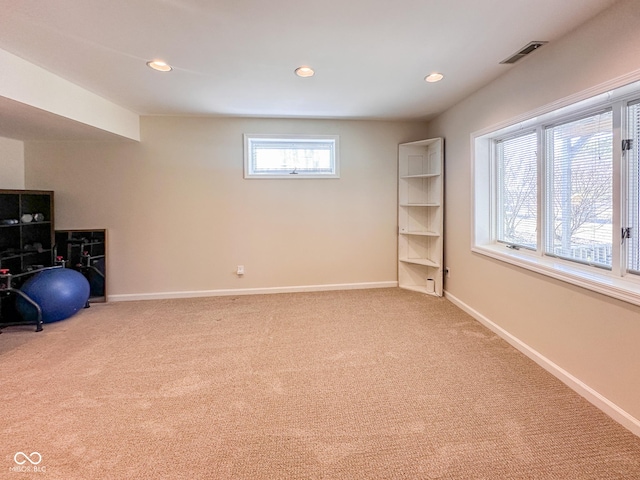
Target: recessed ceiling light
305 71
159 65
434 77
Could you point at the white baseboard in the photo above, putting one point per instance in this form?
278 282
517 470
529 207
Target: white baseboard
250 291
607 406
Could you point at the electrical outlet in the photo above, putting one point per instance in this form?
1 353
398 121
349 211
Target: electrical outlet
240 270
447 272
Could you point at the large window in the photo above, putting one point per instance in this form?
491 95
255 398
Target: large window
559 192
278 156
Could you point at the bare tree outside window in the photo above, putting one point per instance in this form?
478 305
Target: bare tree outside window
517 178
580 192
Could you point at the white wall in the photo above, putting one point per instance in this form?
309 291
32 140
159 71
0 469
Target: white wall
181 217
594 338
11 163
32 85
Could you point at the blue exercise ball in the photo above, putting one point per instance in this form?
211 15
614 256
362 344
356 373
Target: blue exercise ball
59 292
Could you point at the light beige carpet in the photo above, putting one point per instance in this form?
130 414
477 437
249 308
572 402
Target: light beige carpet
368 384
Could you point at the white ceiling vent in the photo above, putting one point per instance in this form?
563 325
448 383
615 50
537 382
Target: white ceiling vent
523 52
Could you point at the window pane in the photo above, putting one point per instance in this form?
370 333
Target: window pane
273 156
282 156
579 190
517 191
633 190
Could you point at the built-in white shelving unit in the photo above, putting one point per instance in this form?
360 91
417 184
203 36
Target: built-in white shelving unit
420 215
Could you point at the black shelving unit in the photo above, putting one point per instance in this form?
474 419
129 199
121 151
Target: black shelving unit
26 241
85 251
26 229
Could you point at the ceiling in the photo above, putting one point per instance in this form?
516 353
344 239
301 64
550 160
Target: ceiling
237 57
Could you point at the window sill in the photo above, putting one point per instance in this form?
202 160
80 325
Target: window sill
288 176
622 288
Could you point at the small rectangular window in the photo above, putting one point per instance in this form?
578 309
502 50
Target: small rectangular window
291 156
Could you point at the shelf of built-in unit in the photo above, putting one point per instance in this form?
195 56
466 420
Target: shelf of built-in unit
419 204
420 261
422 175
417 288
421 234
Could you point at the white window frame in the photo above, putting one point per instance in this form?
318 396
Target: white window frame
616 283
250 140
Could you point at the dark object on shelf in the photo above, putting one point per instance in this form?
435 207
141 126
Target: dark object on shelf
85 251
34 247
